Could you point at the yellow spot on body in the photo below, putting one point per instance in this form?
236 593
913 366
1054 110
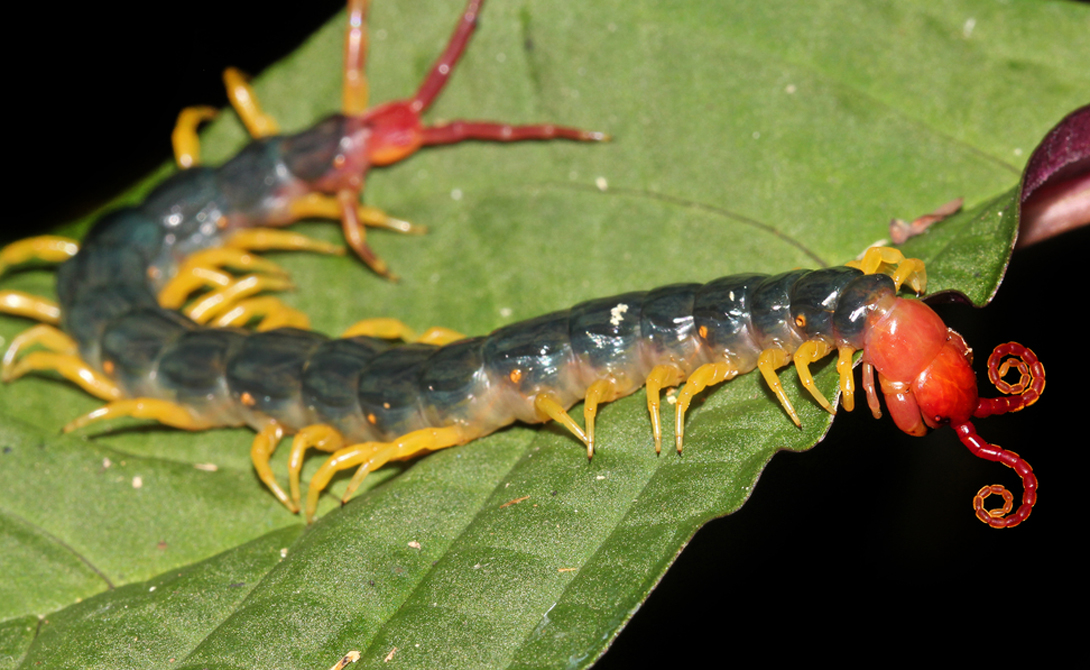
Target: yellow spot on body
515 376
800 321
372 419
247 399
704 332
108 367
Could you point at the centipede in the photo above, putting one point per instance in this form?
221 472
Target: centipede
149 319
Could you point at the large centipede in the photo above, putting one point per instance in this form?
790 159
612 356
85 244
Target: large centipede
368 401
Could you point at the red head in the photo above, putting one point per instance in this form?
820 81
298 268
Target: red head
923 366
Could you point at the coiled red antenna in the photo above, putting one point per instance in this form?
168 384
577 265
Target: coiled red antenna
1023 393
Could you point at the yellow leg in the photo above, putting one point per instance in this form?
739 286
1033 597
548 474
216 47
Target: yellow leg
30 306
188 280
706 375
202 270
264 445
42 335
662 376
603 390
71 368
811 352
274 313
163 411
216 302
45 248
440 336
269 239
320 436
888 260
768 362
369 456
257 122
548 407
321 206
847 379
382 328
187 146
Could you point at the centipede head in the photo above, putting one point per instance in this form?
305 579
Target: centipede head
925 373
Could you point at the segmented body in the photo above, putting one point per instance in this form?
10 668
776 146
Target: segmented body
372 391
130 255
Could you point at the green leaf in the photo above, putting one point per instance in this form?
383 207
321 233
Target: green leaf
755 136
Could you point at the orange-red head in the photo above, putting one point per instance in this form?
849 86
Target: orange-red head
923 366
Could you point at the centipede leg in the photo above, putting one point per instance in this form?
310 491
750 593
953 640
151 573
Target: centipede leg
274 314
216 302
47 249
356 235
386 328
662 376
44 248
42 335
163 411
261 451
602 390
548 407
891 261
203 270
811 352
871 391
184 139
768 362
62 357
706 375
319 436
242 98
72 368
30 306
321 206
369 456
847 378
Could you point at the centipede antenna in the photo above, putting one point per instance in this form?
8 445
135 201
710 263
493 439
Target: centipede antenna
440 72
1028 388
1000 518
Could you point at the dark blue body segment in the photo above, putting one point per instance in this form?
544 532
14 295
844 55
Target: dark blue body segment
770 311
530 355
389 390
453 384
193 368
721 313
667 325
605 333
135 341
859 297
266 373
814 298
